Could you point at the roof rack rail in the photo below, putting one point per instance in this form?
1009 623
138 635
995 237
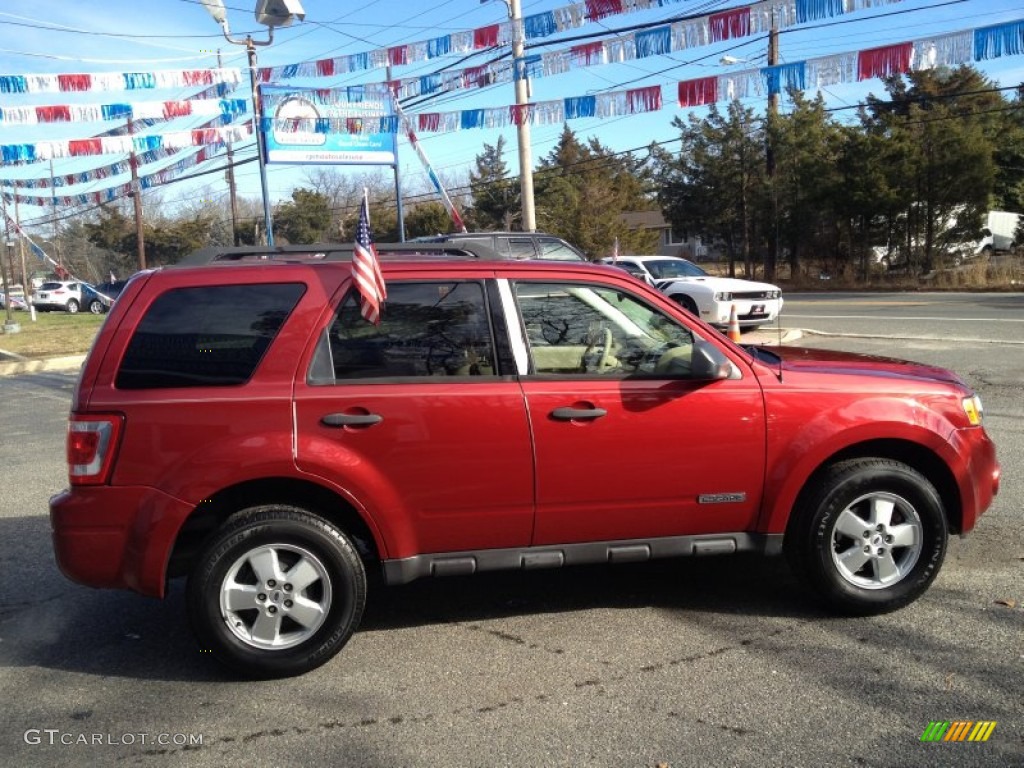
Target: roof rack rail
320 252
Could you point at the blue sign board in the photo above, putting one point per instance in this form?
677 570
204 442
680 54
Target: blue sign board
333 148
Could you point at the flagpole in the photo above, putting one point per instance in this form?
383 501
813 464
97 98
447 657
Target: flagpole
422 155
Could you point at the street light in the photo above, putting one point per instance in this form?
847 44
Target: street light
271 14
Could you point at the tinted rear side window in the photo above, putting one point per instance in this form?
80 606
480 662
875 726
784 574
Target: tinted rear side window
553 248
521 248
208 336
426 329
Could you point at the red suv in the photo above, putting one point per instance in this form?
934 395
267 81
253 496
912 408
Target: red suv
239 423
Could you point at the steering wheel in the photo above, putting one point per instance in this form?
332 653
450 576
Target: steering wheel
604 362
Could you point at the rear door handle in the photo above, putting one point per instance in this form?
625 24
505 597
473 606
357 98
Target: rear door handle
570 414
351 419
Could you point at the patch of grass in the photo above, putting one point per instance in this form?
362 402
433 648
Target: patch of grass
52 335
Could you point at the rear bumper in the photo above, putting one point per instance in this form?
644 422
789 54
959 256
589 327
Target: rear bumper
118 537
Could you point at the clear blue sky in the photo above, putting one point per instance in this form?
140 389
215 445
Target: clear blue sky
72 36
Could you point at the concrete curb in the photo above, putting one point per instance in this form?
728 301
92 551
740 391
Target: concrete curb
904 337
772 337
25 365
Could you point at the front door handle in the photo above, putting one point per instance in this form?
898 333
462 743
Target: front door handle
351 419
571 414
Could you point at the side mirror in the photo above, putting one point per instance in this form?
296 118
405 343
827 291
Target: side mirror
708 362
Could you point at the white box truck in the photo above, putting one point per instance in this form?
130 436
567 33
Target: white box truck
997 234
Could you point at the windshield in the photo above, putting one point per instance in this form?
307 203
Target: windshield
665 268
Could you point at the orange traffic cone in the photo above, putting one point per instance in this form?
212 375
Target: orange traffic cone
734 325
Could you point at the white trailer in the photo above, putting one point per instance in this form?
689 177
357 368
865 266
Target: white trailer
998 232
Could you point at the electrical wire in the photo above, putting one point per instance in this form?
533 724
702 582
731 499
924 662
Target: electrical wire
440 96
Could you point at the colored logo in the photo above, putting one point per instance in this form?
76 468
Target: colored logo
958 730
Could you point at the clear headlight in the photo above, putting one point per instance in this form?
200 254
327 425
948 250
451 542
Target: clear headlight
723 297
975 412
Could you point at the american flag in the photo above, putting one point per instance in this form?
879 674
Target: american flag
366 268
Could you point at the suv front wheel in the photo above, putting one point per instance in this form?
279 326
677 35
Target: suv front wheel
871 537
278 592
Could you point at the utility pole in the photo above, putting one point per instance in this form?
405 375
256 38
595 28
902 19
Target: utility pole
53 208
26 282
230 175
395 169
3 271
772 257
257 120
133 163
523 127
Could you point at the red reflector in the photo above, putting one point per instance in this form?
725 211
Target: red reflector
82 447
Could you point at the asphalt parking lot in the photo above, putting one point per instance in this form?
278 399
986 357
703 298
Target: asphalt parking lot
691 663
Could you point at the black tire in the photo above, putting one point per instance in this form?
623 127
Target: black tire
328 606
97 307
686 303
859 562
71 307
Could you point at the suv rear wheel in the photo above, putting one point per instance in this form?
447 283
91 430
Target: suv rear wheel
871 537
71 307
278 592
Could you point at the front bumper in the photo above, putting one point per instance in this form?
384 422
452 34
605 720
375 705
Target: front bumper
980 474
749 312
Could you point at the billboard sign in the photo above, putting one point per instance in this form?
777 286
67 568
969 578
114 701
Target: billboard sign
333 148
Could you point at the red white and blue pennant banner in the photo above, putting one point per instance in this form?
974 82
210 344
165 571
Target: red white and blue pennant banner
118 81
699 30
693 31
91 113
146 181
101 172
654 41
123 145
945 50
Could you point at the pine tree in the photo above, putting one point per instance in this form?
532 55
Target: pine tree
496 202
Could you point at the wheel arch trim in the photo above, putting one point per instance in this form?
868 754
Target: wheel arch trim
926 453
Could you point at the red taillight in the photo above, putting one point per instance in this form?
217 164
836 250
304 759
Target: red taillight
92 443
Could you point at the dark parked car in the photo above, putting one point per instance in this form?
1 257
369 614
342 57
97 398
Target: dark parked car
111 289
515 245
